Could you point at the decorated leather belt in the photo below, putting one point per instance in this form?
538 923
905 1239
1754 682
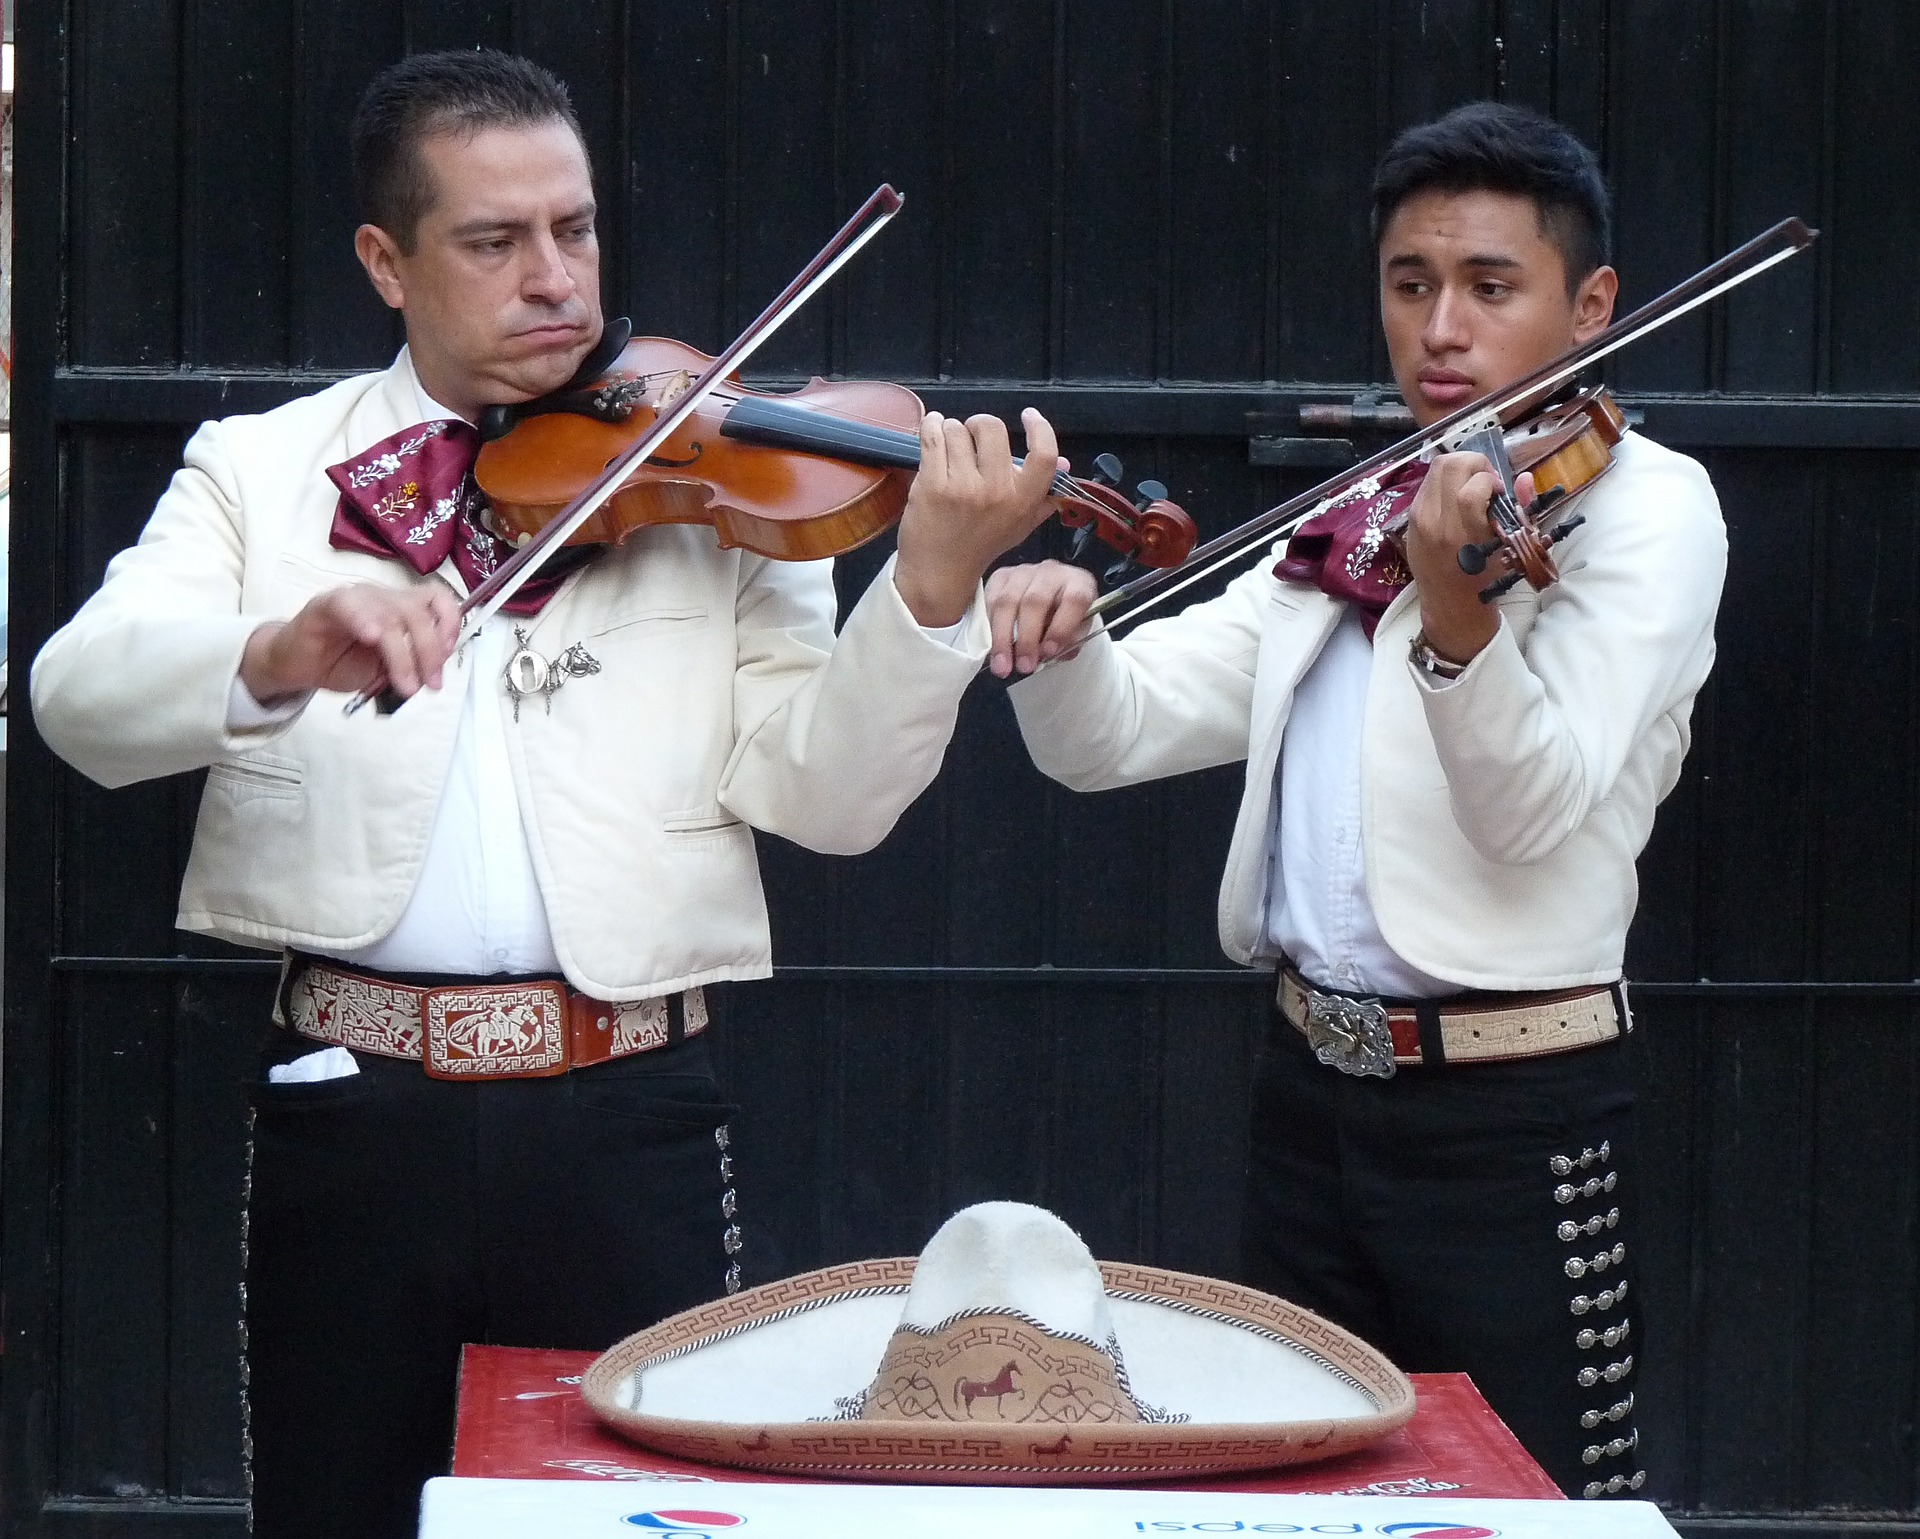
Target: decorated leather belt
526 1029
1358 1035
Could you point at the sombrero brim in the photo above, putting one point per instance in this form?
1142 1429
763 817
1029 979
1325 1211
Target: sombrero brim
749 1380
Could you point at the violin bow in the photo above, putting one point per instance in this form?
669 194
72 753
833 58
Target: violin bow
1769 248
484 601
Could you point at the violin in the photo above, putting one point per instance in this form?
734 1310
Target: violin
1566 448
796 477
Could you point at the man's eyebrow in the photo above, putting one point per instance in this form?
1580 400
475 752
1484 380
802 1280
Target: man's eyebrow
474 228
1413 262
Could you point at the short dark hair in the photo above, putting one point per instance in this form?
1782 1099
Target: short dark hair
457 91
1494 147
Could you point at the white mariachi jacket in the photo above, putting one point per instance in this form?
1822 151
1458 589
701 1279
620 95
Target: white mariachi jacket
1502 814
724 703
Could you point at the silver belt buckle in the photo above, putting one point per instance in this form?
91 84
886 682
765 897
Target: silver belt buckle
1351 1035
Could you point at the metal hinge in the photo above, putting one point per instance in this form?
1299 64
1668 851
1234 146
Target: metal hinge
1322 433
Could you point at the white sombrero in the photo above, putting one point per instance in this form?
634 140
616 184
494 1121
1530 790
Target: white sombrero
1005 1355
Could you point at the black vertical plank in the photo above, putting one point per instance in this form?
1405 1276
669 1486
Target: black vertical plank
1582 40
1526 58
1113 173
1326 135
1755 1284
790 200
1105 871
1864 720
1000 1062
338 321
1207 1043
889 129
1755 924
997 831
884 1196
1002 132
1776 86
30 1211
1661 141
238 70
1875 314
1222 176
1101 1117
1866 1193
114 1240
1663 943
125 193
674 173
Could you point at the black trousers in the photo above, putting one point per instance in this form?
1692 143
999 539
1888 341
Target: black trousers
1467 1218
393 1217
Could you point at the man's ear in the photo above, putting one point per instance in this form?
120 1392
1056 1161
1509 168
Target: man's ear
379 253
1593 303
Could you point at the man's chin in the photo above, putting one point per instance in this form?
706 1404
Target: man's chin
538 374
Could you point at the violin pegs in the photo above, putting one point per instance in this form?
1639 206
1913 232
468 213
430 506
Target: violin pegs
1148 493
1566 527
1107 469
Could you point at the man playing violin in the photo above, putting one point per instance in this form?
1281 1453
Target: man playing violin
489 1112
1443 804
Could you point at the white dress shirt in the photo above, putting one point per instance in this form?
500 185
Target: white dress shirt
476 908
1318 912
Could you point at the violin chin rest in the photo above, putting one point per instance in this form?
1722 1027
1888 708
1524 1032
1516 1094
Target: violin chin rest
614 337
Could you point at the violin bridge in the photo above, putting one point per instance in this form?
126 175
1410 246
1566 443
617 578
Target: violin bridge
676 386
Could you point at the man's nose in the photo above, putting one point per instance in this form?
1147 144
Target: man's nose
547 278
1446 328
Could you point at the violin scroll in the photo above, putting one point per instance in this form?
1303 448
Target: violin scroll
1149 530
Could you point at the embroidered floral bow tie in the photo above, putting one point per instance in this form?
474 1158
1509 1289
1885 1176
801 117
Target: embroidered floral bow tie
413 496
1344 550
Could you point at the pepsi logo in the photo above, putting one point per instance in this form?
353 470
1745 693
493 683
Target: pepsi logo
684 1522
1440 1531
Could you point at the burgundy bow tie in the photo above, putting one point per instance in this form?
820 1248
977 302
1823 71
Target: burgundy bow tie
1344 550
413 496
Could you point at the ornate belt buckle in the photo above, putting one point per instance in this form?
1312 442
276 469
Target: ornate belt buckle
514 1030
1351 1035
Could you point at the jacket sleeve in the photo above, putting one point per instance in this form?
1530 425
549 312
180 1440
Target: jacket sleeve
1175 695
1533 737
834 739
136 684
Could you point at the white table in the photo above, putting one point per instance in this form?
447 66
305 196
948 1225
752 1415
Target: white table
456 1508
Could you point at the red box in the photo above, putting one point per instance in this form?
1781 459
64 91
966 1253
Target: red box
521 1418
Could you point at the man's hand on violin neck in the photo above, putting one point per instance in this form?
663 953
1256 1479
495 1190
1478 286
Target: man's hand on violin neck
355 638
1038 613
1450 511
969 504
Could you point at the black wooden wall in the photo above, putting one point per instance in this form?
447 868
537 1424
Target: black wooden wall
1145 216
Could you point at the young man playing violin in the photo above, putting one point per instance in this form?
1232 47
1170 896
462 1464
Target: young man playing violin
1443 804
497 912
